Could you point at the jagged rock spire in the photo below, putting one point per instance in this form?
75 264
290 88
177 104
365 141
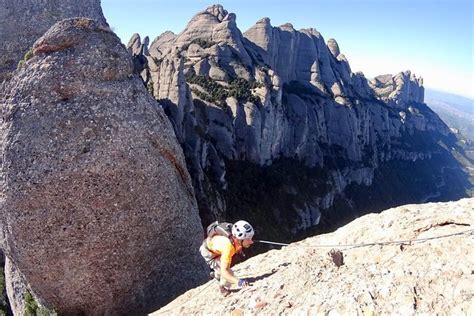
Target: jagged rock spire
333 47
399 90
218 11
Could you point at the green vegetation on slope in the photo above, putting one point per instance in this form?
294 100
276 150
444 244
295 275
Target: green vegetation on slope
201 42
3 302
28 55
239 88
33 309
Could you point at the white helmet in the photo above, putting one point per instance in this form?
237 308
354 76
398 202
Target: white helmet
242 230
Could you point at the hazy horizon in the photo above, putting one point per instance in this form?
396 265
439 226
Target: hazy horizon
432 39
430 90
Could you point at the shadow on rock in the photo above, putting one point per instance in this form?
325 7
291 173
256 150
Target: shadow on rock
261 277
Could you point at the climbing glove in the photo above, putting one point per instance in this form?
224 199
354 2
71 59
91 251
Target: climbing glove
242 283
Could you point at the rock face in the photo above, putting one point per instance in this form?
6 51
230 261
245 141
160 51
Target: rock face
139 52
430 277
23 22
98 210
399 90
15 287
4 303
275 115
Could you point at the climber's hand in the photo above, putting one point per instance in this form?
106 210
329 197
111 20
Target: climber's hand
243 283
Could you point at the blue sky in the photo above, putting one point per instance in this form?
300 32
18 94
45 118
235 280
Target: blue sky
432 38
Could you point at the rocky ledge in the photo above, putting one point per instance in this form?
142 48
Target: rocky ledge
430 277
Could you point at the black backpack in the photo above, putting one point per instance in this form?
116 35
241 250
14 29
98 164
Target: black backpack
222 229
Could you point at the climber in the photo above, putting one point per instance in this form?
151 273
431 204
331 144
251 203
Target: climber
223 241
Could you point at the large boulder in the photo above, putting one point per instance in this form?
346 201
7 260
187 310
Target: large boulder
98 211
23 22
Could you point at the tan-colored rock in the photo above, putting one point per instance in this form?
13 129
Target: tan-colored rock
134 44
399 90
430 277
333 47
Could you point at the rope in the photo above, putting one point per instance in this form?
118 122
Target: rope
381 243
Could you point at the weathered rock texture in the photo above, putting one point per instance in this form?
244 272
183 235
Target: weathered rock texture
430 277
98 210
140 53
277 129
22 22
399 90
15 287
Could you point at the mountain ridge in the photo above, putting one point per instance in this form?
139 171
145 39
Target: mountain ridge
294 103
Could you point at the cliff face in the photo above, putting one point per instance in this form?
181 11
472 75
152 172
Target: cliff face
411 278
400 90
22 22
275 126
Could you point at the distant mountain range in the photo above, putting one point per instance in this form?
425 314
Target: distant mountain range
456 111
